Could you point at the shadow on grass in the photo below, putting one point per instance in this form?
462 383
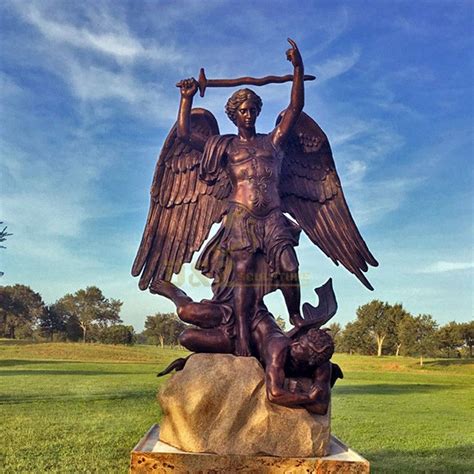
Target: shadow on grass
75 368
448 362
18 342
389 389
147 394
15 362
10 373
454 459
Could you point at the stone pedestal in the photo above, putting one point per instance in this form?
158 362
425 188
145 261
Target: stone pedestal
153 456
218 404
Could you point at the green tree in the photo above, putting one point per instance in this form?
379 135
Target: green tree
418 335
374 318
87 308
395 314
355 339
281 322
466 331
3 236
336 332
20 310
118 334
449 339
163 328
51 322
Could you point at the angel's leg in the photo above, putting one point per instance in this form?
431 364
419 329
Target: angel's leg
290 284
244 298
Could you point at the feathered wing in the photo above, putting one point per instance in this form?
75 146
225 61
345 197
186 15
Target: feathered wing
311 192
182 206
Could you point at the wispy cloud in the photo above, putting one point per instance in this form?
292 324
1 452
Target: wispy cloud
443 266
95 84
337 65
103 34
101 60
47 199
373 199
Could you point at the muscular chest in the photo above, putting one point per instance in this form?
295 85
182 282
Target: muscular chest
255 162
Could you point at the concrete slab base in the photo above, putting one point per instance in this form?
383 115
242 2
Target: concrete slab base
151 455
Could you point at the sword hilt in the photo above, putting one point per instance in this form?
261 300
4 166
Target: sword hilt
202 82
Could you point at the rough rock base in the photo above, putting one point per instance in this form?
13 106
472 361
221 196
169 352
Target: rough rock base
152 456
218 404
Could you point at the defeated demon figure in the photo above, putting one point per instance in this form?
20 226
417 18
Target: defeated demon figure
298 372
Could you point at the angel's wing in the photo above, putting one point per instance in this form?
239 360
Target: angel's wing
182 206
311 192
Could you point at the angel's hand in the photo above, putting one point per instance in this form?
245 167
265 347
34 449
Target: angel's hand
188 87
293 54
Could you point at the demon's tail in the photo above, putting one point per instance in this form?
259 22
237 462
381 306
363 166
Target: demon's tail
177 365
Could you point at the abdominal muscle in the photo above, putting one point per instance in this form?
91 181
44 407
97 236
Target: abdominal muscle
254 172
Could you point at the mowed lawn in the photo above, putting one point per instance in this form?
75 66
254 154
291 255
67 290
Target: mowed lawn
82 408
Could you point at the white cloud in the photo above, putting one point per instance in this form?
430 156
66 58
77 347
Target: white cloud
96 84
355 171
442 266
47 199
336 66
105 35
372 200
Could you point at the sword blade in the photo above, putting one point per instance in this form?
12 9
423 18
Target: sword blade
204 82
254 81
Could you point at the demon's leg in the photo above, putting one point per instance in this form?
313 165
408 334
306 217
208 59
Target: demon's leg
206 340
205 315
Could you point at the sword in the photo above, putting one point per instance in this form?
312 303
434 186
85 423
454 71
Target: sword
204 82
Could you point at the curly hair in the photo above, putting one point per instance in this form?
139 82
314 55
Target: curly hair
322 346
238 98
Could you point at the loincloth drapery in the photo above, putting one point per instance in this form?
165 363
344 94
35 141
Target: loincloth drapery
266 237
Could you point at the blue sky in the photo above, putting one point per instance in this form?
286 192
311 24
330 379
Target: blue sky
88 95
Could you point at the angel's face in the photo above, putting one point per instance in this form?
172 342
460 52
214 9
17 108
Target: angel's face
247 114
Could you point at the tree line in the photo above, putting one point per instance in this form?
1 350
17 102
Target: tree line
381 328
88 316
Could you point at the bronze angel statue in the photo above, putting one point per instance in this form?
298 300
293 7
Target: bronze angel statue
248 182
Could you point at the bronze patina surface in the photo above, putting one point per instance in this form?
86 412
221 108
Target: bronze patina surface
250 182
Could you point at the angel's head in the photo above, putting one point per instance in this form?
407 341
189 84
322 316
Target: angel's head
313 348
243 107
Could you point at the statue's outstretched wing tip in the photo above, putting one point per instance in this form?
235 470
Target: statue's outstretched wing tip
311 192
367 284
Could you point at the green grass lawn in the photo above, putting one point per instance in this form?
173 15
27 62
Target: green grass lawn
82 408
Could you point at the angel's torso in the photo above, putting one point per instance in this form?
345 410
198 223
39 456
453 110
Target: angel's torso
254 169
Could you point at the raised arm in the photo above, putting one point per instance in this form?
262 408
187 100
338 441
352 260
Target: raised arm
293 111
188 88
